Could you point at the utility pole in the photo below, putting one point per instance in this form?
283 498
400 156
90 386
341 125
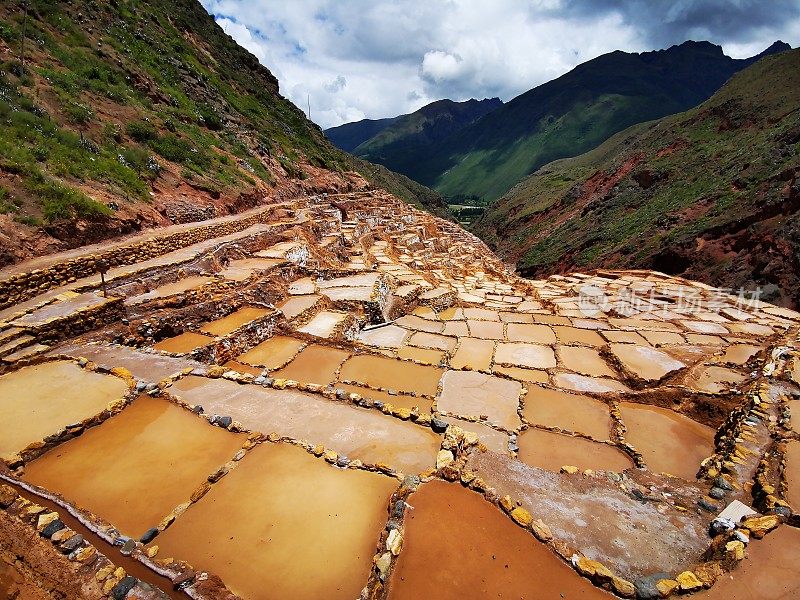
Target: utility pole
308 100
22 42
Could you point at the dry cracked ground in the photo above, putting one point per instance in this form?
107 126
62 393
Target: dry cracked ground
343 397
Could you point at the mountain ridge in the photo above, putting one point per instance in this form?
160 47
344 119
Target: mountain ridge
710 194
570 115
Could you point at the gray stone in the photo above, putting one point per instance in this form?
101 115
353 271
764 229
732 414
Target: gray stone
53 527
646 586
223 422
342 461
149 535
197 409
723 484
438 425
721 525
72 543
707 506
126 584
398 508
128 547
717 493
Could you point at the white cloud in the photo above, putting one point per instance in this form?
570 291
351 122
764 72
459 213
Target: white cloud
357 58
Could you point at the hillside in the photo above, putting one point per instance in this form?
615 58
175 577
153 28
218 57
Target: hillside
711 194
350 135
130 114
399 145
571 115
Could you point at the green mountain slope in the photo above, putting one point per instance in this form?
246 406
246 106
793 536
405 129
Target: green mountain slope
136 113
712 194
350 135
570 115
399 145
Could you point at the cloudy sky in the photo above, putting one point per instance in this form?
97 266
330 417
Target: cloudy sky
358 59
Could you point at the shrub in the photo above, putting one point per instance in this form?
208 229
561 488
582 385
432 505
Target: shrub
141 131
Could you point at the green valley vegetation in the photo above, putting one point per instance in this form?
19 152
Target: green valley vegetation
712 193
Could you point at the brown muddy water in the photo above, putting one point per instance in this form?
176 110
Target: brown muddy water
573 412
183 343
670 442
423 355
40 400
138 465
458 546
315 364
792 473
769 572
284 524
233 321
391 374
272 353
551 451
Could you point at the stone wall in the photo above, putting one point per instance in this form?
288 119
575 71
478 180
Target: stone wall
25 286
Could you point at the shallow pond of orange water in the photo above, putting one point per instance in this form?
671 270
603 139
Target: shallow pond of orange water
284 524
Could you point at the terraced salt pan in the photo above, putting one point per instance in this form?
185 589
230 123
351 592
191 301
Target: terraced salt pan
646 363
523 374
315 364
469 393
594 516
739 354
496 558
62 308
423 355
572 412
391 374
183 343
583 360
147 366
234 321
530 332
551 451
285 522
432 340
487 330
517 354
670 442
715 379
349 294
388 336
324 323
765 574
40 400
296 305
171 289
474 354
273 352
118 470
301 286
241 269
358 433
